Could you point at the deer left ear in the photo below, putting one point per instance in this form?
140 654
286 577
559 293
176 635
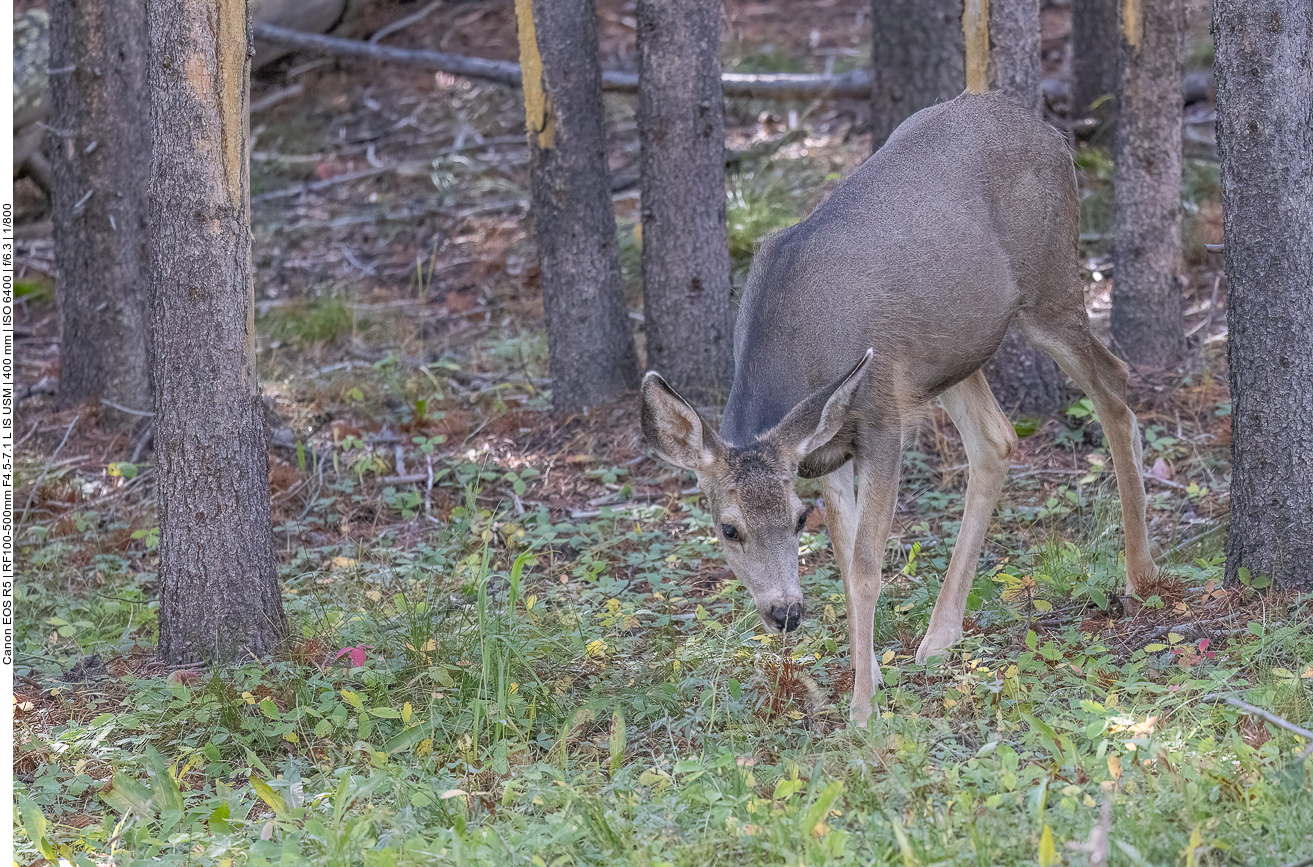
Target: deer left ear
674 429
814 422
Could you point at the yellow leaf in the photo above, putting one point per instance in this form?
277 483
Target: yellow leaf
450 793
291 737
1042 605
1307 673
1283 672
341 563
406 711
1047 854
1174 638
1114 766
1196 840
887 658
1154 648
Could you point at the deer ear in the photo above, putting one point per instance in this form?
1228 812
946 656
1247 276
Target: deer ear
814 422
673 428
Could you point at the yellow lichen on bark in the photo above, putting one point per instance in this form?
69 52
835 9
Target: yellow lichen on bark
975 33
234 69
537 106
1132 22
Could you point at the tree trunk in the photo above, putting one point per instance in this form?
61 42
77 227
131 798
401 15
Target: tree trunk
219 595
1023 378
1095 45
681 124
589 342
918 59
1264 100
1014 62
100 161
1147 326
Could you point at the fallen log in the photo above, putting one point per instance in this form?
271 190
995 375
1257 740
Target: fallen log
855 84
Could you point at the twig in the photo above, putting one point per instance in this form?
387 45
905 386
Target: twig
403 23
27 436
1264 714
855 84
36 486
146 437
315 186
270 100
141 412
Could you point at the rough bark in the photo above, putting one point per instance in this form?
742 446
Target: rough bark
1264 68
100 157
1095 44
219 595
1147 325
681 125
589 343
1024 379
917 55
1014 62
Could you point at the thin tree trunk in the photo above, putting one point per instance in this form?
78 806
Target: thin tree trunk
1023 378
219 595
681 124
100 158
1147 326
1264 68
1095 44
918 59
588 339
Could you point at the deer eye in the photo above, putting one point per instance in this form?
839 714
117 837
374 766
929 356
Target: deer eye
802 523
730 532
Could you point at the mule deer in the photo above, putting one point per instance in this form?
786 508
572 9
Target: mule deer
894 292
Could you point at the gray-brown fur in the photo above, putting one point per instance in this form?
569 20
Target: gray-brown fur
913 269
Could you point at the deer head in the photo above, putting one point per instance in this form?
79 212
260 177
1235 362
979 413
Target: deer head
750 486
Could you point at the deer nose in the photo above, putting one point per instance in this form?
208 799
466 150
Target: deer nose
787 618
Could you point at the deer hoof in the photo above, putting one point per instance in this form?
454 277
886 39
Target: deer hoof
934 644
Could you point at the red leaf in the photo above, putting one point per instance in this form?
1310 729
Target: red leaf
358 654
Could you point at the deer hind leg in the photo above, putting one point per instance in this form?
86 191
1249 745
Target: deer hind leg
877 493
1103 376
990 441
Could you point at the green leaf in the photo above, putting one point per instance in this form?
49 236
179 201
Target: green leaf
165 794
385 712
617 741
405 739
816 813
126 795
35 824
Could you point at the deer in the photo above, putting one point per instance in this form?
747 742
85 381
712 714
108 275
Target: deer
892 294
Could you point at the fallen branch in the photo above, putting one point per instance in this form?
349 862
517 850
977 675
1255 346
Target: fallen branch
855 84
1259 712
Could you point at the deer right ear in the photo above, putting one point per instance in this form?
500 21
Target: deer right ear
673 428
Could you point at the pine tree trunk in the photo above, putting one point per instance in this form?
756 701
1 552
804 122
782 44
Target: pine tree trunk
1014 62
589 342
1024 379
1147 326
1095 44
918 59
681 123
219 594
1264 102
99 151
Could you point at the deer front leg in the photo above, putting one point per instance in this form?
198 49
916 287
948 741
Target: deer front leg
841 521
989 440
877 475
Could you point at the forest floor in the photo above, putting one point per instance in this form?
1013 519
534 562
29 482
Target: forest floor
513 638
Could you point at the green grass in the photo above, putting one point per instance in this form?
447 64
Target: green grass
545 692
322 319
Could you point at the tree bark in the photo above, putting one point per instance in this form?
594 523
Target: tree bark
1147 325
589 342
1264 68
219 594
1024 379
1014 62
918 59
100 160
1095 44
681 125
